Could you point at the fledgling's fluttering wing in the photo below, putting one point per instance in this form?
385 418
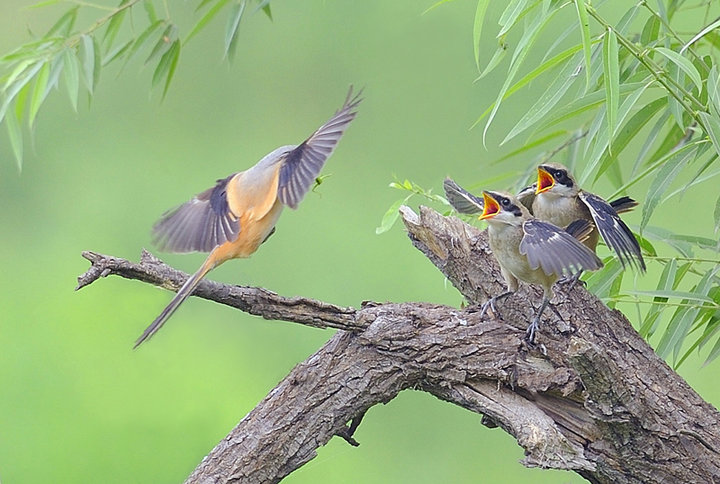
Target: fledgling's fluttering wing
580 229
623 204
526 196
462 200
199 225
616 234
303 164
554 250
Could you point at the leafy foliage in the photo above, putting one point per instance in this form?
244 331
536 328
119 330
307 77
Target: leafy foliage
642 81
33 70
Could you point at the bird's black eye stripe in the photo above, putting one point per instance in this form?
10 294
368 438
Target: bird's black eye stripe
561 177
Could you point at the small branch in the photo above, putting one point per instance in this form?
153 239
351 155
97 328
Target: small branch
253 300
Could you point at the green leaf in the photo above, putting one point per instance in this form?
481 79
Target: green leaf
117 52
166 67
477 28
142 38
665 283
601 282
19 82
16 138
530 145
629 131
521 51
150 11
611 80
684 64
391 216
651 138
650 31
603 139
164 42
714 25
585 31
209 15
40 92
113 27
584 104
670 294
682 320
88 61
231 32
510 15
712 128
72 76
264 5
716 215
555 91
97 61
544 67
666 175
663 235
64 24
497 57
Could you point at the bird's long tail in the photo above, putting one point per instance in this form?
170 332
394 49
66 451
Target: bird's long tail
179 298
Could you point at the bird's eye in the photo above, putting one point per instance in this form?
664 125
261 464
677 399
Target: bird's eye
559 175
505 202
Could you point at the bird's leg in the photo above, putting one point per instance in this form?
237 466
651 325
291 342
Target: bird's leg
572 280
491 304
535 324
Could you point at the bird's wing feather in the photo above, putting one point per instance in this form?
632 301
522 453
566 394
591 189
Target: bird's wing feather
616 234
462 200
554 250
200 224
526 196
303 164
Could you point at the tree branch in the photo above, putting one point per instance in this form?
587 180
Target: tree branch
253 300
600 402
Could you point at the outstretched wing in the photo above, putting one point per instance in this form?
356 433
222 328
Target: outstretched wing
623 204
616 234
462 200
554 250
200 225
303 164
526 196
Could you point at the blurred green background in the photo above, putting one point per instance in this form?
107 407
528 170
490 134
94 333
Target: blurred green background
78 405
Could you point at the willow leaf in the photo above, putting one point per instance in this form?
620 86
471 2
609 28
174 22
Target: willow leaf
611 80
510 15
231 33
666 175
682 63
482 6
585 33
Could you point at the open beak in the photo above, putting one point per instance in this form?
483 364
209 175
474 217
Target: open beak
545 180
491 207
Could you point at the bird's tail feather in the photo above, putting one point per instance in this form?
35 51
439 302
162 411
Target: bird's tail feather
179 298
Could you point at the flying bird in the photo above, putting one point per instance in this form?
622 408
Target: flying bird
232 219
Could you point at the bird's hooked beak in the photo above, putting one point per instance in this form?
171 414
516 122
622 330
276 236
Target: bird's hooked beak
491 207
545 180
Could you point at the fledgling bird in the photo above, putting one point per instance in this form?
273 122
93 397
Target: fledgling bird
560 201
233 218
532 251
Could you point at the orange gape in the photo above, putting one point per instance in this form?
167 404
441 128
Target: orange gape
232 219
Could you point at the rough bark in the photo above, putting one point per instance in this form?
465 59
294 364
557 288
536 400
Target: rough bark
597 400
